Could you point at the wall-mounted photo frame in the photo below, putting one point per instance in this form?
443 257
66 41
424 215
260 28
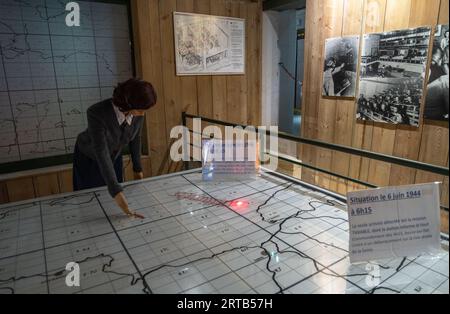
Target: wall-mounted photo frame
392 72
209 45
340 67
437 100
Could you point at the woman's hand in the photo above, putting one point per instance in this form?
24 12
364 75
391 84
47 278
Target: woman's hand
138 176
121 201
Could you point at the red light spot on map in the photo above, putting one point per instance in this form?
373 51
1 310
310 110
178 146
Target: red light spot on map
239 205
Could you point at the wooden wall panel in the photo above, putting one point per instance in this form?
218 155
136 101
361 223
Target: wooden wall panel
188 84
383 137
369 16
65 181
26 186
346 109
230 98
46 185
408 139
444 19
312 84
444 192
332 24
219 82
240 11
159 137
20 189
204 83
443 12
428 143
254 60
149 66
3 193
236 89
172 83
374 15
172 87
146 165
435 137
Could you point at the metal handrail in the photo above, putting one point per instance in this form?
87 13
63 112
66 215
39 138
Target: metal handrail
350 150
344 149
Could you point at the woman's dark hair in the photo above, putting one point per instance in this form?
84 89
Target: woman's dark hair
134 94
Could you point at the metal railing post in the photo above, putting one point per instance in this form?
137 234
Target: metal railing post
185 145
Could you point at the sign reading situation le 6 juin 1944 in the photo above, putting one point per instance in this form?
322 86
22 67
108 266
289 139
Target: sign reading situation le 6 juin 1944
394 222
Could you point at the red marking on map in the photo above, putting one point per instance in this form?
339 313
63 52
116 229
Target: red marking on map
234 204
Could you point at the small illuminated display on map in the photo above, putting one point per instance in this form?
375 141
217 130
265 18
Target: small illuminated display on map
239 205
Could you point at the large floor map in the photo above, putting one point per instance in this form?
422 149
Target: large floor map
269 235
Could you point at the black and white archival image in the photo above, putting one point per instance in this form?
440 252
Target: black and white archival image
341 57
436 105
392 76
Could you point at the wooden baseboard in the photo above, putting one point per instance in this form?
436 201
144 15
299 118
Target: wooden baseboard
27 185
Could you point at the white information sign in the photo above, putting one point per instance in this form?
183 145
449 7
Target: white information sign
394 222
208 45
235 160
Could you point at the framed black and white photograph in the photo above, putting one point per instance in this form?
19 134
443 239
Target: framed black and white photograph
392 75
341 59
437 102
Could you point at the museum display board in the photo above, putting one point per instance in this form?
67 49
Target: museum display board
333 119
